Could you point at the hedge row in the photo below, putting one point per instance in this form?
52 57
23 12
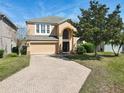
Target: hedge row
1 53
15 51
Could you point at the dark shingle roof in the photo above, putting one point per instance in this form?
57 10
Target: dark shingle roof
7 21
41 38
49 19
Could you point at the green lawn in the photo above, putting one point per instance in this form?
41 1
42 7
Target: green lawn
10 65
107 74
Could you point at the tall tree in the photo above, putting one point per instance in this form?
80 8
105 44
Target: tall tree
114 27
21 34
91 26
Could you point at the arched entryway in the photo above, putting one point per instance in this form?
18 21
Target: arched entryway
66 40
66 34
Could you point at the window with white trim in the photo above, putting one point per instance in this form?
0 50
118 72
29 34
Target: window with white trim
37 28
43 29
48 28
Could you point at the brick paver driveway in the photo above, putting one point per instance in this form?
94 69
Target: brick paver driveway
46 75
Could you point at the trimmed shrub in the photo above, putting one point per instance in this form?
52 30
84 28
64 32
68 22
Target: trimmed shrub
1 53
24 50
15 50
89 47
81 49
12 55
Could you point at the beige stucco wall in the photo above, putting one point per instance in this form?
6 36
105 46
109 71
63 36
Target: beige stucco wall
75 39
57 30
31 29
70 28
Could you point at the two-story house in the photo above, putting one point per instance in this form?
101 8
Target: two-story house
50 35
7 34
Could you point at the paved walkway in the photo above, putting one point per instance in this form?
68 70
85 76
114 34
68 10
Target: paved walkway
46 75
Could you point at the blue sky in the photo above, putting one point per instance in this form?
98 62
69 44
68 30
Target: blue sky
21 10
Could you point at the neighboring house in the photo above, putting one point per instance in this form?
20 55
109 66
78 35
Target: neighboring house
50 35
7 34
108 48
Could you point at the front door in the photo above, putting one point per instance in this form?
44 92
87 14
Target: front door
65 46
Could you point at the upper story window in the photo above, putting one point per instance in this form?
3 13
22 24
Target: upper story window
37 28
43 29
48 28
65 34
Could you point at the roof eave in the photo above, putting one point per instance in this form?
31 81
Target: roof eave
65 20
7 19
56 23
40 40
29 22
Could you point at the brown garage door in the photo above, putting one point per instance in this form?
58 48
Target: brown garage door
42 48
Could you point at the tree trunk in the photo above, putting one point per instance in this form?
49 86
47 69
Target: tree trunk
96 50
119 49
116 54
19 48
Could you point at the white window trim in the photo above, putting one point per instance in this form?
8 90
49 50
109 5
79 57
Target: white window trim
36 29
43 28
40 30
49 28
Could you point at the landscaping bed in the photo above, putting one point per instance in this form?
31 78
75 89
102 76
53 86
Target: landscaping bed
10 65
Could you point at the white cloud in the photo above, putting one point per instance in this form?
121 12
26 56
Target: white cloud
19 14
66 8
7 5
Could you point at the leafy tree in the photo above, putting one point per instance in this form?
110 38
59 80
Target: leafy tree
91 26
96 26
114 27
21 34
119 41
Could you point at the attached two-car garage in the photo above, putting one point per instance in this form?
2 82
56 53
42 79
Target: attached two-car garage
43 48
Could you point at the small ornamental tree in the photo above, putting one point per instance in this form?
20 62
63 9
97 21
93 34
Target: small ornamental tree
114 27
119 41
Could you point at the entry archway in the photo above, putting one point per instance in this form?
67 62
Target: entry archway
66 40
